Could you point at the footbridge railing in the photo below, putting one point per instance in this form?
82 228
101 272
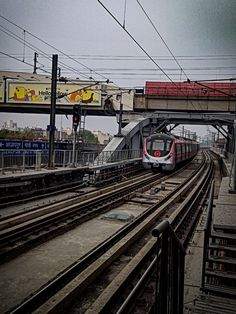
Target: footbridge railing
24 160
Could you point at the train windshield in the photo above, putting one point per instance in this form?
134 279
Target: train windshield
158 147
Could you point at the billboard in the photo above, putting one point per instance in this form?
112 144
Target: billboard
40 93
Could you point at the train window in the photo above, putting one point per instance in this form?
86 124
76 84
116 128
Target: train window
178 149
158 145
161 146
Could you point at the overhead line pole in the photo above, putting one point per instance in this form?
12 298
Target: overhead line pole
51 127
35 62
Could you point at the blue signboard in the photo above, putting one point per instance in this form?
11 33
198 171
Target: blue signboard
23 145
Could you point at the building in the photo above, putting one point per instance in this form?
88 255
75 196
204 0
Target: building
10 125
103 138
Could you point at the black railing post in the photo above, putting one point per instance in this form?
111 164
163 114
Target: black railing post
164 282
207 231
170 285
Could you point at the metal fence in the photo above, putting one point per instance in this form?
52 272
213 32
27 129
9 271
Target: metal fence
22 160
170 258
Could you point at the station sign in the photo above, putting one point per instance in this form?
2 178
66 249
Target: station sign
23 145
67 94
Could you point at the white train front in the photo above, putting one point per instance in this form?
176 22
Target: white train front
163 152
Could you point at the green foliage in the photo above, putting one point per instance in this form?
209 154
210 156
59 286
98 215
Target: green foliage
27 134
89 138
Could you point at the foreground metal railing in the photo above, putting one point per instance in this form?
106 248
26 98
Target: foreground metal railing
170 270
207 232
22 160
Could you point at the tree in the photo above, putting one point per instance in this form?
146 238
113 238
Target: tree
89 138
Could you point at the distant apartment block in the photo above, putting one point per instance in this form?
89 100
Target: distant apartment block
103 138
10 125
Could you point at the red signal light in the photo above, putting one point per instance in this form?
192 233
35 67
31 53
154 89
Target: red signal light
75 120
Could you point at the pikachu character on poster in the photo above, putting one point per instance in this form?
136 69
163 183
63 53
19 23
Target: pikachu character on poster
23 94
82 96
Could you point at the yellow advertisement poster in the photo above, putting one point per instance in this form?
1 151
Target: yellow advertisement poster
1 91
40 93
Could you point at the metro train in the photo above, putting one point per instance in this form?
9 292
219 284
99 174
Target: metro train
164 151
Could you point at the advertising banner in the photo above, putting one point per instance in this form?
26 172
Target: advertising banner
40 93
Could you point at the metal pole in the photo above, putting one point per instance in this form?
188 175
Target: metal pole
35 62
23 163
234 161
51 127
74 145
2 163
207 231
120 120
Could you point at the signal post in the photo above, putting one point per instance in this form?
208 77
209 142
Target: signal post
75 123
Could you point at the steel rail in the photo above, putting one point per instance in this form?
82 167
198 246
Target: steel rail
78 213
107 299
27 223
42 295
186 211
14 219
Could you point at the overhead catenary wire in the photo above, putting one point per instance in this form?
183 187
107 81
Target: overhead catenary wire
6 54
141 58
71 67
140 46
137 43
43 41
214 89
142 8
33 47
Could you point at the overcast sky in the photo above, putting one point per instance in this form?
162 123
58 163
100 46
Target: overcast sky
200 33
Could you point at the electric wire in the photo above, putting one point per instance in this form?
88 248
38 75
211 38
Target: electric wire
43 41
144 58
32 47
137 43
142 8
140 46
76 60
19 60
214 89
26 43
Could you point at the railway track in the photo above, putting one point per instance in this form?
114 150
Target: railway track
33 194
20 232
133 239
68 196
